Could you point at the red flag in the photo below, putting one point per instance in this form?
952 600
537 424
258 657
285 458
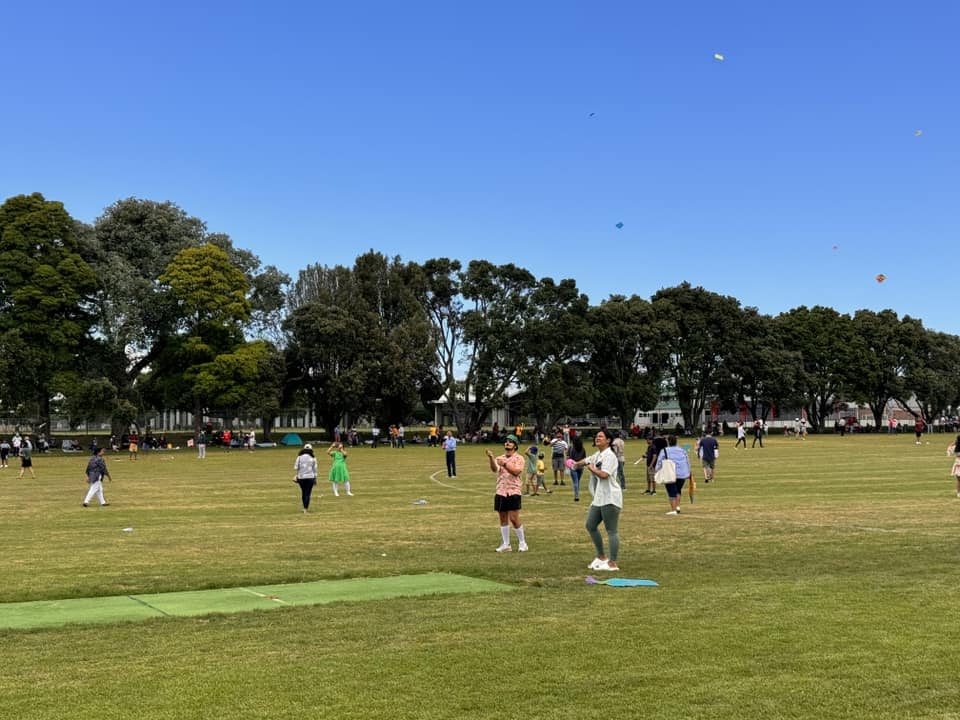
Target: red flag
714 410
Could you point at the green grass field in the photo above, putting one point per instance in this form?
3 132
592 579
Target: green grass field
814 579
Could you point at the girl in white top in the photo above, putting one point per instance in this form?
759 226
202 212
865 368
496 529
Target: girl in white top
607 502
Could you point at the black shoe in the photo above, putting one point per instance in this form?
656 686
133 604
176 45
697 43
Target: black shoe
85 505
561 482
555 482
104 504
576 499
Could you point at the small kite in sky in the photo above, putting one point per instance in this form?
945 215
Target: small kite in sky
836 247
918 133
718 56
619 226
881 277
591 114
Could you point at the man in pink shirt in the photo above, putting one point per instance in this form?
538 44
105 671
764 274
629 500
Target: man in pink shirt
509 469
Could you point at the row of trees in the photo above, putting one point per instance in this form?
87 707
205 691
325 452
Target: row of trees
145 309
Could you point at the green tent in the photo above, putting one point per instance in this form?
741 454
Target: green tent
291 439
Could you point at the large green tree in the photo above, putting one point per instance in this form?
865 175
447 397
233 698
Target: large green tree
885 347
933 374
700 326
197 368
626 351
826 342
138 319
496 301
359 340
553 373
760 373
46 288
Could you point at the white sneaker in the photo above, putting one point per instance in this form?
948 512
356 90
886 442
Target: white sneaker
608 567
523 547
349 494
673 512
596 563
504 548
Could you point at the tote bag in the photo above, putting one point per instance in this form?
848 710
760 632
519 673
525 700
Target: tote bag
667 473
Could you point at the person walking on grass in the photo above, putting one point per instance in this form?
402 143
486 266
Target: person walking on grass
96 472
306 477
741 435
607 502
4 453
675 489
450 445
26 457
530 485
339 475
507 499
618 449
709 451
576 453
656 445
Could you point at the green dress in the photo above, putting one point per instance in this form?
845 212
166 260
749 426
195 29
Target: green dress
339 472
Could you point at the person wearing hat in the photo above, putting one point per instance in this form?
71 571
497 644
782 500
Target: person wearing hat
506 500
306 477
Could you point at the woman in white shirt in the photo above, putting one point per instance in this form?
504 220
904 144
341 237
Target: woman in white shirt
306 477
607 502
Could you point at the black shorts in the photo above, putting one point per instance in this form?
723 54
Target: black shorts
26 462
506 504
675 489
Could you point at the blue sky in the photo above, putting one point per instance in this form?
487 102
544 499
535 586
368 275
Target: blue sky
789 173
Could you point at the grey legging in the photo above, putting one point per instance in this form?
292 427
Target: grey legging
609 515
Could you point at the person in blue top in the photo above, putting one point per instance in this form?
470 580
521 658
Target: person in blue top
683 472
450 445
709 450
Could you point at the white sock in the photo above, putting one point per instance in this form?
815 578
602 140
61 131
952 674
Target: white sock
347 486
335 491
505 533
520 536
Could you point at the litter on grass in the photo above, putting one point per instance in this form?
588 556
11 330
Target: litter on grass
421 501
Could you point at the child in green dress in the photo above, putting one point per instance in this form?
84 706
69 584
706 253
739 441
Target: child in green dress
339 475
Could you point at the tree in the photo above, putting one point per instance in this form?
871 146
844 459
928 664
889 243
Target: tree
359 340
197 367
246 381
400 335
498 299
626 356
759 371
933 374
886 350
553 374
700 327
131 245
46 288
828 351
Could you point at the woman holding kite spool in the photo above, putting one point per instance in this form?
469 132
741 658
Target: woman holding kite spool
607 502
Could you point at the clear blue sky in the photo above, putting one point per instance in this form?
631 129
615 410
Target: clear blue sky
311 132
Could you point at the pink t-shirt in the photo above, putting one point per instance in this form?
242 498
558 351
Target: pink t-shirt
508 483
